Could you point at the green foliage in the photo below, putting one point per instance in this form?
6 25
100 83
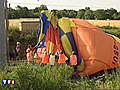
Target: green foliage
43 7
116 16
12 13
14 33
62 13
80 14
32 77
112 81
87 13
108 27
100 14
110 13
25 39
35 77
23 12
86 83
66 13
111 30
106 81
72 13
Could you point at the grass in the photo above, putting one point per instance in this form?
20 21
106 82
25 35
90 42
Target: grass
113 23
111 30
15 22
32 77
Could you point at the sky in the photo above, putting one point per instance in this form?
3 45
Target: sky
68 4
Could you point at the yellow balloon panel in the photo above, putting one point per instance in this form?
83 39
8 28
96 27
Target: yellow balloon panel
48 46
66 45
81 66
64 24
51 47
48 13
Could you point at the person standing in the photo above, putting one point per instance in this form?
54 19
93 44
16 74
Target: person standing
18 50
61 59
52 59
29 53
45 59
73 61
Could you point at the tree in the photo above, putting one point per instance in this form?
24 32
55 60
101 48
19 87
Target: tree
116 16
89 14
80 14
23 12
12 13
100 14
43 7
62 13
110 12
72 13
87 8
36 10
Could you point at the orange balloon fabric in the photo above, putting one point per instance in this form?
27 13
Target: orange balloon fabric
98 50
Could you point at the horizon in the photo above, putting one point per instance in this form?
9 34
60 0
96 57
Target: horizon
93 4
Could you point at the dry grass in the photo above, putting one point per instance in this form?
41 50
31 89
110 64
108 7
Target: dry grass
15 22
115 23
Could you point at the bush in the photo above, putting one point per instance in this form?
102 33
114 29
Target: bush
25 39
14 33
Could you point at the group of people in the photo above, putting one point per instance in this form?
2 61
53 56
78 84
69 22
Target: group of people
47 58
18 51
51 58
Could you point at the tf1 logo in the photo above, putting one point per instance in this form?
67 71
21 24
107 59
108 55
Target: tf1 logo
8 81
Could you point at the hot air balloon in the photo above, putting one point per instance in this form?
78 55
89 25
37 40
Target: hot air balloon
95 49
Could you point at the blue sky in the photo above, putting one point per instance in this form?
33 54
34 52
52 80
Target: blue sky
68 4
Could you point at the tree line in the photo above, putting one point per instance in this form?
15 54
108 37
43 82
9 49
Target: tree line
87 13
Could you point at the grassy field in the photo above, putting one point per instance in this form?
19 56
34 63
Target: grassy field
113 23
34 77
116 23
15 22
111 30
